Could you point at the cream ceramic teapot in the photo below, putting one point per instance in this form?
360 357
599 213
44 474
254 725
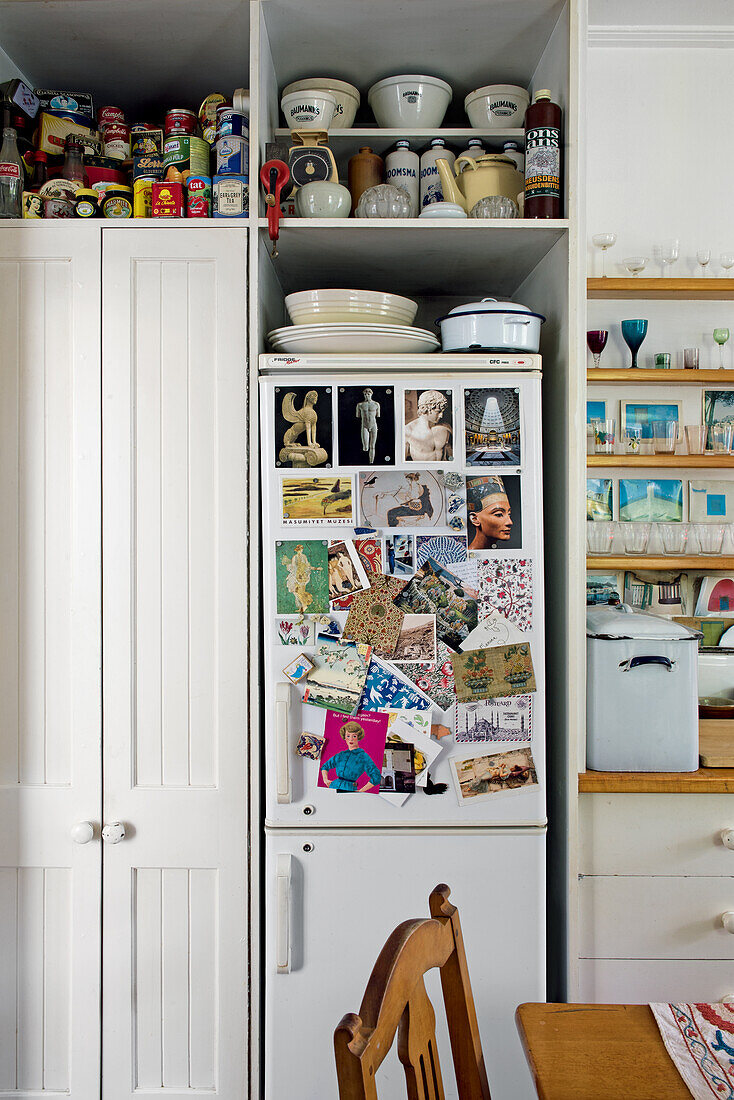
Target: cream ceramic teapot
492 174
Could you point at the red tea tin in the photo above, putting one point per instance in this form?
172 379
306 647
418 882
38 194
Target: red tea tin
179 120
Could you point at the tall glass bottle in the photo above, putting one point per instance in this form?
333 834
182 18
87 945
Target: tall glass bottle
73 169
11 176
543 158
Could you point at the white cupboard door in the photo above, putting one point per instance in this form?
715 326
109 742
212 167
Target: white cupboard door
174 558
50 658
331 901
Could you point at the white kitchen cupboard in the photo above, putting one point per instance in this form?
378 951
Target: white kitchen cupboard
164 730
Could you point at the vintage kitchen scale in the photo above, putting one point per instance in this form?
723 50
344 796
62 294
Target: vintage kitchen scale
309 160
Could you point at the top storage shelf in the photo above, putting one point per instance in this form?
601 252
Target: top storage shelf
381 139
661 289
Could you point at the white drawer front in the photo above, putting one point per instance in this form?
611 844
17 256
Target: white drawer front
626 917
627 981
655 834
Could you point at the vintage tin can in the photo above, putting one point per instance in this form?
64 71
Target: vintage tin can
179 120
230 121
79 102
32 205
108 115
208 115
117 141
186 153
143 198
146 142
168 199
233 155
104 170
139 127
57 207
148 167
230 196
199 197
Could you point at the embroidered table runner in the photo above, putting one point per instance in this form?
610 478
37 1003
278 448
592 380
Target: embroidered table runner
700 1040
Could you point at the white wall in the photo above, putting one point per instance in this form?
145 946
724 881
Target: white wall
660 155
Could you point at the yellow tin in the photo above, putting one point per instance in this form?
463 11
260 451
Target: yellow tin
143 198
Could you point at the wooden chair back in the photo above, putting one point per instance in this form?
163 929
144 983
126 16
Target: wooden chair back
396 1001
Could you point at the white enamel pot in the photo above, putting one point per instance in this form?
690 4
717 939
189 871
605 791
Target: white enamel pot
491 325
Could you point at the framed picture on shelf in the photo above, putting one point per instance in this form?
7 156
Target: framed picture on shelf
599 498
595 410
718 407
659 501
645 413
711 501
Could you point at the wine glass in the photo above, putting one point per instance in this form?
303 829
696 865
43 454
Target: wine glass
669 251
721 335
634 332
603 241
703 256
635 264
726 259
597 341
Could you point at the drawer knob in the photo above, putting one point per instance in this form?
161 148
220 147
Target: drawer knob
727 838
727 919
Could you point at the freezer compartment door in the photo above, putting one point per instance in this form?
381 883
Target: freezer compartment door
331 901
292 794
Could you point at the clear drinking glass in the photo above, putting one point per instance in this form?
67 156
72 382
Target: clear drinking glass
596 338
721 335
604 241
636 536
674 537
635 264
720 438
632 439
690 358
604 436
634 332
599 536
662 360
664 436
696 438
710 537
669 252
703 256
726 259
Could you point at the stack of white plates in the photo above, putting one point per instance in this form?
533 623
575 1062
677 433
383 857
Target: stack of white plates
316 307
352 339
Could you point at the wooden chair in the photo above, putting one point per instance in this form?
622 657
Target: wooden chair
396 1000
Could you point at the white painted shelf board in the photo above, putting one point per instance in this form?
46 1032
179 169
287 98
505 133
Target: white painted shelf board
381 139
410 256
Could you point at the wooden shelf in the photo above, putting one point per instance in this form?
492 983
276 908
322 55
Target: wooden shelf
662 289
704 781
596 375
687 561
698 462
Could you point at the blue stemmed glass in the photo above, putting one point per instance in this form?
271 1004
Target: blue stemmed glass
634 332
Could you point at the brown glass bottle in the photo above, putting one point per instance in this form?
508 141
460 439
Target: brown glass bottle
543 158
366 169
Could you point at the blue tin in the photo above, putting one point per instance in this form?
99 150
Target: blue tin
233 153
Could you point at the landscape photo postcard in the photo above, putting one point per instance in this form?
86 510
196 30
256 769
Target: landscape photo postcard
434 590
658 501
337 680
598 498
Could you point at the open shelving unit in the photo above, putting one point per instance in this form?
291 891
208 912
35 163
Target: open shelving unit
698 462
642 376
685 561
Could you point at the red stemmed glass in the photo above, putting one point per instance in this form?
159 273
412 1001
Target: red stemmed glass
597 341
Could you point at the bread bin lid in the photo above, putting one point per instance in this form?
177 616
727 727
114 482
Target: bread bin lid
491 305
620 621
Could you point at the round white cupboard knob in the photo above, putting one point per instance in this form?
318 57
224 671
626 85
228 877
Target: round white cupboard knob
727 838
727 919
115 832
82 832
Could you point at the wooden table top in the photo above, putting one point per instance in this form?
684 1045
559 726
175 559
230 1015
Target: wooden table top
586 1052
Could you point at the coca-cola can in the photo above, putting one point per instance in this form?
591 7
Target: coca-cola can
179 120
117 141
107 115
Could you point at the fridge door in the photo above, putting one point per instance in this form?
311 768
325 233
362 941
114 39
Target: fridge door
292 796
332 900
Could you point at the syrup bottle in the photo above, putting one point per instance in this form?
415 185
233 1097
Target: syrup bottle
543 158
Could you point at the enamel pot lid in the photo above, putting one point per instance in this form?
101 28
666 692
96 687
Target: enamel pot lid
491 305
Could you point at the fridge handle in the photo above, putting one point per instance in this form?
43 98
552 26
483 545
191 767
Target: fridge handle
283 912
282 769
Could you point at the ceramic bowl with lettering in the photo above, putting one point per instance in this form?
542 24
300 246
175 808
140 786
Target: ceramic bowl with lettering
308 110
409 101
497 106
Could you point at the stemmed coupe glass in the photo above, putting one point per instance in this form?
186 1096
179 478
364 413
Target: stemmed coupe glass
721 335
604 241
635 264
597 340
703 256
726 259
634 332
669 252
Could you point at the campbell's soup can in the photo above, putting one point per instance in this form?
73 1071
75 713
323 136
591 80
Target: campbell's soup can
232 155
179 120
108 115
117 141
186 153
199 197
230 121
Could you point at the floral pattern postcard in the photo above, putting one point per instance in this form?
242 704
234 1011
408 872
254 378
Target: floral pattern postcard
337 681
435 678
486 673
506 585
373 617
295 630
444 549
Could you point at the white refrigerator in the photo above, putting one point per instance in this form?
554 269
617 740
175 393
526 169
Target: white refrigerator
343 869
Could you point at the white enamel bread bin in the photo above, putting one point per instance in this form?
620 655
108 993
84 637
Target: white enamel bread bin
642 692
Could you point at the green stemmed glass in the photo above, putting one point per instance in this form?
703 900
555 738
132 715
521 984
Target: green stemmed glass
721 335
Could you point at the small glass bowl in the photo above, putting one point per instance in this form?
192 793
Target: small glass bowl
495 206
386 200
